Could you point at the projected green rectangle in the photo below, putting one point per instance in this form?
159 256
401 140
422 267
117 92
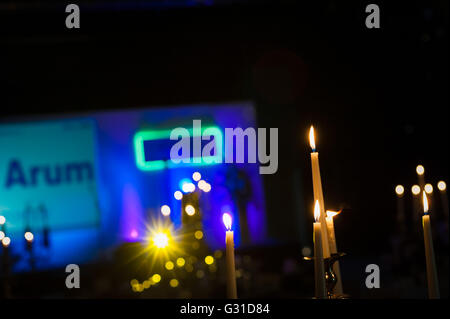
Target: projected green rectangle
153 165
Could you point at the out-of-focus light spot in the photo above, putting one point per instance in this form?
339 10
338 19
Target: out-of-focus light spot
169 265
178 195
28 236
161 240
209 260
2 220
6 241
165 210
415 190
306 251
428 188
200 273
400 190
156 278
189 209
201 184
213 268
189 268
146 284
198 234
420 170
195 245
218 254
196 176
207 188
2 235
188 187
134 234
180 262
134 282
442 186
173 283
238 273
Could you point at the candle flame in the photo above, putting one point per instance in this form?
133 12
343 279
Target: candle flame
331 213
227 221
425 203
312 140
317 211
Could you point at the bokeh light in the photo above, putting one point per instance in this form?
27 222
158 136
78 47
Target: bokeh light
415 190
178 195
161 240
189 209
2 220
156 278
169 265
181 262
196 176
29 236
209 260
420 170
400 190
198 234
442 186
429 188
174 283
165 210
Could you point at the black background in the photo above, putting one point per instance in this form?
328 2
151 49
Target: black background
378 97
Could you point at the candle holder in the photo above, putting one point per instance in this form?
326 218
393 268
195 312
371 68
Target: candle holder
331 278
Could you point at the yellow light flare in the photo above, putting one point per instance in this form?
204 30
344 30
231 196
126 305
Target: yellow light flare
209 260
146 284
165 210
227 221
317 211
420 170
312 138
161 240
331 213
190 210
415 190
429 189
399 190
425 203
134 282
442 186
28 236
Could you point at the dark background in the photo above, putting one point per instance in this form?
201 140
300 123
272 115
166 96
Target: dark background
377 97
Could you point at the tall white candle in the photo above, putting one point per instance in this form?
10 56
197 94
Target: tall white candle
432 279
319 267
231 270
333 249
318 193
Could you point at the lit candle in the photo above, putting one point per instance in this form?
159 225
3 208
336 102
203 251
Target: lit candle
400 191
318 193
433 285
319 267
415 190
333 249
442 186
231 271
420 170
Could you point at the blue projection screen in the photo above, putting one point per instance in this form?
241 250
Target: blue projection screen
48 165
